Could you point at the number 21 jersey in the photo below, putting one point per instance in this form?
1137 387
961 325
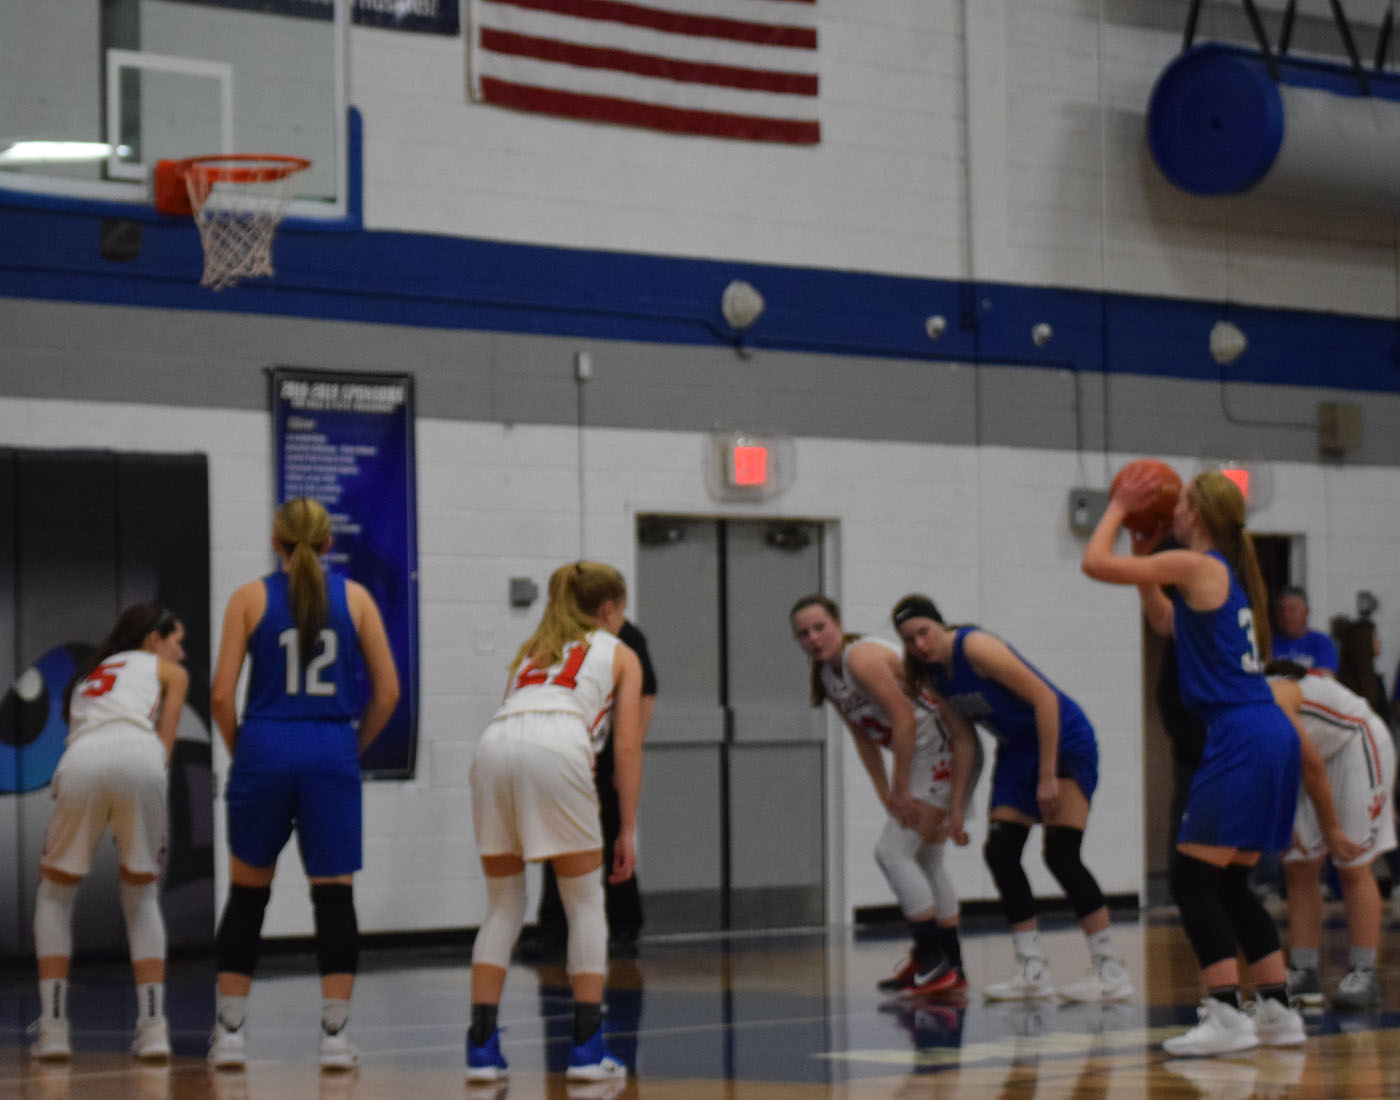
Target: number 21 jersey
580 683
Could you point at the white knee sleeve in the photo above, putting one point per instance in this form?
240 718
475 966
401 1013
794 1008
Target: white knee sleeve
505 916
896 853
53 918
145 927
586 908
945 896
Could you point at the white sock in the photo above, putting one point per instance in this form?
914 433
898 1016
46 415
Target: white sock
335 1013
1101 943
53 998
233 1011
1027 944
150 1001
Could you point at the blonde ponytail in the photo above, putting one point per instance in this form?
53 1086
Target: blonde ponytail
303 532
577 592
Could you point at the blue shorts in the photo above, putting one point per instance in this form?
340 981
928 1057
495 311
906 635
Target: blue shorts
1245 791
1016 773
298 775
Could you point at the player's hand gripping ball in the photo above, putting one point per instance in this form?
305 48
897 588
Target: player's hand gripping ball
1157 507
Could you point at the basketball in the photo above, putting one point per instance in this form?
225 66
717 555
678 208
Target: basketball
1146 520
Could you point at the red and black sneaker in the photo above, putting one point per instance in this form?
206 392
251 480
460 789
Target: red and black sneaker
939 978
902 978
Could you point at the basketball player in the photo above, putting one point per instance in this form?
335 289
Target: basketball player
1360 773
533 798
304 634
123 710
1209 595
931 769
1046 770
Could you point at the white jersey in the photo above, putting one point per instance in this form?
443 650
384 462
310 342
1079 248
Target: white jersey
579 683
125 689
863 713
1334 716
1360 759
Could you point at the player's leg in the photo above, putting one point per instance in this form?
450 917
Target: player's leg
1064 838
1304 887
138 823
330 829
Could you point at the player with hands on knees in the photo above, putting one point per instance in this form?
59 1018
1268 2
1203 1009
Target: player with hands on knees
123 711
572 684
933 768
1045 773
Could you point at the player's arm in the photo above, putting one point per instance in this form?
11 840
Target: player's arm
877 673
245 608
379 662
627 732
964 749
174 686
994 659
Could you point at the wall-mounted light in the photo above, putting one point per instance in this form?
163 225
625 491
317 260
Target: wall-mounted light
741 304
1227 342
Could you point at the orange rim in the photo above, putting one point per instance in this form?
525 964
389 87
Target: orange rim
243 167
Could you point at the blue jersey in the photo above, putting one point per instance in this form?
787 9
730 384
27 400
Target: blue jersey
1313 650
283 682
1217 655
1007 716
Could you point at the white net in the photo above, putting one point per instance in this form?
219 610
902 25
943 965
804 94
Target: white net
238 217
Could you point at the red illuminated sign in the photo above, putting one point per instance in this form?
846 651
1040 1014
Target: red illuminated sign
749 464
1240 477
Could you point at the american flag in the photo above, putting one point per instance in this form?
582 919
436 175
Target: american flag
722 68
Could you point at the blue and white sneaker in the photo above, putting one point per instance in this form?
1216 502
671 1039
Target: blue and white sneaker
486 1062
590 1061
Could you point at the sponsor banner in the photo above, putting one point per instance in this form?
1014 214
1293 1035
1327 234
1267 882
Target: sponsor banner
347 439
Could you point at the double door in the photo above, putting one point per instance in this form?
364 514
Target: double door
732 823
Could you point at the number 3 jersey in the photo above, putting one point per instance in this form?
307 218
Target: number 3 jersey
124 688
283 682
579 683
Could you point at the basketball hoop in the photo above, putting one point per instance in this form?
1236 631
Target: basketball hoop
237 200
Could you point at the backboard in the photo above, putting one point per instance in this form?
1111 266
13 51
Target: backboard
94 92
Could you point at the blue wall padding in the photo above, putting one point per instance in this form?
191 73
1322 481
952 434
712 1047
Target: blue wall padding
1218 123
1215 121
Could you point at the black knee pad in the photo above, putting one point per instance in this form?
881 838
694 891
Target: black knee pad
1061 852
1002 852
337 931
1196 889
240 929
1254 928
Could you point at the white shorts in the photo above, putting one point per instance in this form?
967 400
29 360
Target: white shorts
1362 777
532 787
109 778
931 774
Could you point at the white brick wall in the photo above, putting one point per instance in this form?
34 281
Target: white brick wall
1063 193
981 530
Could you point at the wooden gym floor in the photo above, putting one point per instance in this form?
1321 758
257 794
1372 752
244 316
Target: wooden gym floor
776 1016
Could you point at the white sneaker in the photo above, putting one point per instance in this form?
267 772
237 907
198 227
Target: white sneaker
152 1042
1106 981
1276 1024
1222 1030
1030 982
50 1040
226 1048
337 1051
